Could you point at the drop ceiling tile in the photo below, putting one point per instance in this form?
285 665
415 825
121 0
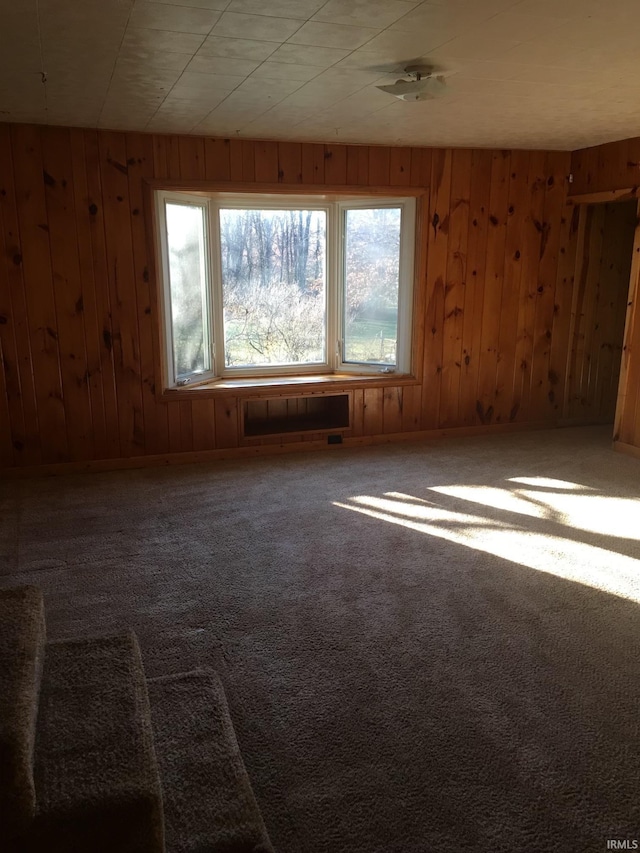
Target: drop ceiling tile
215 5
333 35
161 41
238 111
368 60
18 56
364 13
428 16
299 54
193 111
222 65
392 45
364 102
142 75
255 51
169 124
268 88
517 27
284 114
488 69
567 8
551 50
468 47
556 74
313 96
189 81
300 9
258 27
194 100
177 19
285 71
160 61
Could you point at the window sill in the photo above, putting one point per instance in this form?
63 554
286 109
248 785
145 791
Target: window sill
273 385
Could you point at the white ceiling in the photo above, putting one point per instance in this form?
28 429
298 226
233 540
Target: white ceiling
553 74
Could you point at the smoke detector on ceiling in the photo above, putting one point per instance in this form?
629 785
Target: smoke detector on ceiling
424 83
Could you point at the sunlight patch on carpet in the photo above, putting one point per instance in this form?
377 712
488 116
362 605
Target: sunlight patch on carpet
515 539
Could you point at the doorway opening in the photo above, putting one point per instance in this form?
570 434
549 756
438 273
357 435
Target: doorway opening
606 234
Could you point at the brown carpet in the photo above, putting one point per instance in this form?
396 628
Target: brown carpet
429 647
97 782
198 752
22 640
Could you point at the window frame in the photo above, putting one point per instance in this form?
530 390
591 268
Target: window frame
336 203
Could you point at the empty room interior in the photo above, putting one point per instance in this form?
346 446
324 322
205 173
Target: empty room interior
319 426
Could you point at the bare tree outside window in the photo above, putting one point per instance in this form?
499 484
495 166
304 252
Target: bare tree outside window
273 280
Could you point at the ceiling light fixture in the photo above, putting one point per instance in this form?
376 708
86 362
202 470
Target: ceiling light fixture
424 83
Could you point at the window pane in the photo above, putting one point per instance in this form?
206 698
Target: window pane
371 278
273 281
188 283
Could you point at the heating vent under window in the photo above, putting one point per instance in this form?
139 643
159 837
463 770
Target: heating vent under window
279 415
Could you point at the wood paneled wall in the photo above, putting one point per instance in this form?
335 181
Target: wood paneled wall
606 234
613 166
78 334
604 168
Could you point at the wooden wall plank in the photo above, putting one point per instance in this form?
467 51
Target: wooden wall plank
313 163
475 284
226 422
494 275
203 420
511 300
626 418
455 287
6 438
587 275
235 159
217 161
67 289
290 162
35 258
373 411
266 162
101 292
546 241
140 160
191 153
335 164
392 405
12 426
379 166
534 231
438 242
613 166
420 167
357 412
186 426
88 286
400 167
122 290
18 370
562 308
174 165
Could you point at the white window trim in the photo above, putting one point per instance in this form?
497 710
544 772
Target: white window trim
335 207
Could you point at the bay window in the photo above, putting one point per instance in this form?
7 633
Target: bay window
275 285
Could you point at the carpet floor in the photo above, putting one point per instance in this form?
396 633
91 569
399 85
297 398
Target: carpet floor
424 647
